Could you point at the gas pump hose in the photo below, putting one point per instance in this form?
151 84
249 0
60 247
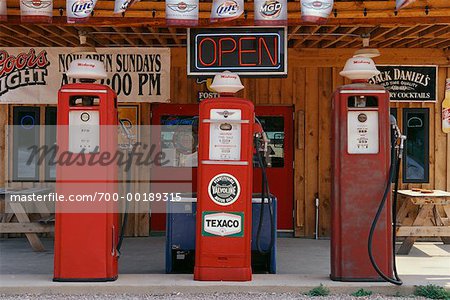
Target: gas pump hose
393 169
125 213
264 196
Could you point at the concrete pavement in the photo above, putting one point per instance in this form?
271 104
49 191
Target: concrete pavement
302 265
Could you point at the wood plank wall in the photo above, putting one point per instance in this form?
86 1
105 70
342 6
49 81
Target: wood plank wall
313 74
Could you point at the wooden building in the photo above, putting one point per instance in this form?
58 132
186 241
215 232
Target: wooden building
418 35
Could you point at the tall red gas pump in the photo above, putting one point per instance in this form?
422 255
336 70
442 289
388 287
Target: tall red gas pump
225 170
86 232
362 172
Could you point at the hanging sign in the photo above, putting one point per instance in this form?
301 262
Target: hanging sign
399 4
226 10
36 10
270 12
248 51
316 11
121 6
182 12
79 11
3 11
408 83
34 75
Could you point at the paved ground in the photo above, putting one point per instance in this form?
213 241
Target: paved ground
302 264
181 296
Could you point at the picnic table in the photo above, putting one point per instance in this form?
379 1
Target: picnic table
422 214
24 224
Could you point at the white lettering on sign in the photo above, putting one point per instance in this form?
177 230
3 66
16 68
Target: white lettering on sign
222 224
224 189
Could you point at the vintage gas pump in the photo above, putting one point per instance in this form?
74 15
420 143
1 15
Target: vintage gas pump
224 205
363 167
86 232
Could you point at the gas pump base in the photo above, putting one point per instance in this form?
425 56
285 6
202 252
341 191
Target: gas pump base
180 237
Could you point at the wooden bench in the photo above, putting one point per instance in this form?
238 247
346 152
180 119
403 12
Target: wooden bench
422 215
24 224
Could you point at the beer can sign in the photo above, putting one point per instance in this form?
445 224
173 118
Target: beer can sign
182 12
36 10
121 6
226 10
3 11
79 10
224 189
316 11
270 12
399 4
229 224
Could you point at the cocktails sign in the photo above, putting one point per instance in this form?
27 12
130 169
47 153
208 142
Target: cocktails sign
408 83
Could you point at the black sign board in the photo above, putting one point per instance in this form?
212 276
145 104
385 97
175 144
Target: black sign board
247 51
408 83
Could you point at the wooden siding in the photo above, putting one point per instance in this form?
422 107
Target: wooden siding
313 74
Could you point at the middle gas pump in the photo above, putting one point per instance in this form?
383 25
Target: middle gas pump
225 176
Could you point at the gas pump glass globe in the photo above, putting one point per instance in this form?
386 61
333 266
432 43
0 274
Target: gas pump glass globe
227 82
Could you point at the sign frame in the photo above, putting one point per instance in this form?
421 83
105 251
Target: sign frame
397 99
283 73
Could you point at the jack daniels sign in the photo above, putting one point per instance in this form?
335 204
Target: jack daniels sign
408 83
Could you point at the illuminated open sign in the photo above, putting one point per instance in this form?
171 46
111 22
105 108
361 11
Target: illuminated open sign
248 51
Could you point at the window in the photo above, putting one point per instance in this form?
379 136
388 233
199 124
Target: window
416 155
26 122
179 140
273 126
50 140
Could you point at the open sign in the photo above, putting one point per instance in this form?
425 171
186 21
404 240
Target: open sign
248 51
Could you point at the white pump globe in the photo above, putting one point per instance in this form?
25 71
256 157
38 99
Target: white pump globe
86 69
359 68
227 82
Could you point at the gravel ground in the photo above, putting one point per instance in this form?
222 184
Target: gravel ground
180 296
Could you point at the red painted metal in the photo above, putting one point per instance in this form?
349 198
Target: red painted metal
86 233
281 180
359 181
225 258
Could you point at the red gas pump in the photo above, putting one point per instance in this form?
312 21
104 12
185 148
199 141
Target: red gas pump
86 232
362 172
225 170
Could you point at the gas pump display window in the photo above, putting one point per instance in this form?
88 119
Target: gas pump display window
273 126
416 162
179 140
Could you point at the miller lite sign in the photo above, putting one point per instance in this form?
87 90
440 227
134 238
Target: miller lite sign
270 12
182 12
316 11
3 11
121 6
79 10
226 10
36 11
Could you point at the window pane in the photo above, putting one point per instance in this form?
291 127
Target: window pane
416 162
50 140
26 122
274 129
179 140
